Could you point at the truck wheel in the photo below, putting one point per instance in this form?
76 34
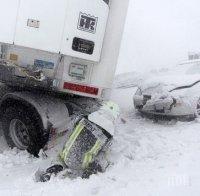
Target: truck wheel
22 129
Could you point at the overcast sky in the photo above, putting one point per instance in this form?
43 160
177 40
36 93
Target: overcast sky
159 33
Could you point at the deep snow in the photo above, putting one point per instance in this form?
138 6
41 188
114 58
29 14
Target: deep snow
149 159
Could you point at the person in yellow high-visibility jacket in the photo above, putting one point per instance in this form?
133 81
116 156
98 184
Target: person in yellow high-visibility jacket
84 152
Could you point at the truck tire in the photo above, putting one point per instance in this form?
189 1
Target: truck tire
22 129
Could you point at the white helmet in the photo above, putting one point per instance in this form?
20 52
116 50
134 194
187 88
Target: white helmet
106 116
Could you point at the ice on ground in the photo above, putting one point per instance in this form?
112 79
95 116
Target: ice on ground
149 159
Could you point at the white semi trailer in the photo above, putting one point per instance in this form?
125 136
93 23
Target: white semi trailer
50 50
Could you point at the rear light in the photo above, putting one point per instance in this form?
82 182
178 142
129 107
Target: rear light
81 88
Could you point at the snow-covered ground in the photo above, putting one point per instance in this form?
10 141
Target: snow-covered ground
149 159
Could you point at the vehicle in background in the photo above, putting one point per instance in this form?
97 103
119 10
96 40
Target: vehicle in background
172 94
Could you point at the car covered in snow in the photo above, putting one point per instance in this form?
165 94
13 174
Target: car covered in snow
174 93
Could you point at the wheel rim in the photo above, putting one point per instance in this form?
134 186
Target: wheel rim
19 134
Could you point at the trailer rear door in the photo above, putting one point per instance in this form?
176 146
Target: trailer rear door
85 27
40 24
